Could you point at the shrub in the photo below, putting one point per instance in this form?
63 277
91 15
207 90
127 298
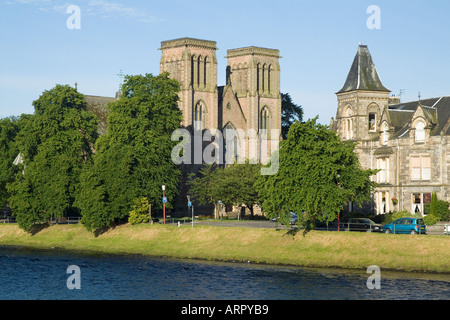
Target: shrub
438 208
430 220
139 214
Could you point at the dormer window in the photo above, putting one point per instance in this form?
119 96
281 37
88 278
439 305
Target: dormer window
420 132
372 122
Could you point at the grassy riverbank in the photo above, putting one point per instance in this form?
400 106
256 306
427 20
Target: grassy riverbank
317 249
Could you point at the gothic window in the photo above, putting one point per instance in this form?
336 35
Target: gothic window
205 73
264 78
372 122
348 123
199 116
264 120
258 77
200 71
194 66
231 144
420 132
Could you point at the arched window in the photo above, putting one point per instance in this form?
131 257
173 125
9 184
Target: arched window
348 123
199 116
201 71
231 144
269 78
372 122
264 121
420 132
194 72
264 78
349 129
205 71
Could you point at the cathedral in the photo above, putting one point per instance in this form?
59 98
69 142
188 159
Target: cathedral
248 105
249 102
407 142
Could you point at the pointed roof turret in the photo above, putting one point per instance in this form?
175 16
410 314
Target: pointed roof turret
363 75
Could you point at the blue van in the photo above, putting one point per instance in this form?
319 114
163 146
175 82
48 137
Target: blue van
406 225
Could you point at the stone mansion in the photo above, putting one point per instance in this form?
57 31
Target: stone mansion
408 142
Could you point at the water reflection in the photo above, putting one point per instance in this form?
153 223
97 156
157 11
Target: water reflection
31 274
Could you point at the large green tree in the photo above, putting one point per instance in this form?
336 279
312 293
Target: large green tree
233 185
290 114
317 174
54 143
8 150
133 159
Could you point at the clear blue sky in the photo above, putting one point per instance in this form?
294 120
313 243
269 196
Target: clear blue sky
317 39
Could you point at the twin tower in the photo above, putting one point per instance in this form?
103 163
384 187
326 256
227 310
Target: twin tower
249 102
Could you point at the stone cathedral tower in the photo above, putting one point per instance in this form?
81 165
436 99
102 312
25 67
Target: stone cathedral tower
250 101
193 63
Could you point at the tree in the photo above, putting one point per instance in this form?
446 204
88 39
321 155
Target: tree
133 159
140 213
290 114
9 129
238 185
55 142
233 185
438 208
317 174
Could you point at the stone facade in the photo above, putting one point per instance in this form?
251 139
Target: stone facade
250 101
407 142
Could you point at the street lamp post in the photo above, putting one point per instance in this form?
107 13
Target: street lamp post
164 202
192 209
338 177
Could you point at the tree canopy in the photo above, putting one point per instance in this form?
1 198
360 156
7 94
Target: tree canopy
9 129
290 114
54 142
133 159
233 185
317 175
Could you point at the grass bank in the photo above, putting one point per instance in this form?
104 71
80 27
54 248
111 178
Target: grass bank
318 249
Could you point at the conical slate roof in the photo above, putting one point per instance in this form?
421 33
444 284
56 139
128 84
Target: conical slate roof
363 75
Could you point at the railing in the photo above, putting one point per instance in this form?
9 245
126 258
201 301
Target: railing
64 220
224 223
8 220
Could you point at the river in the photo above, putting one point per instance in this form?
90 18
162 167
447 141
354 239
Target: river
28 274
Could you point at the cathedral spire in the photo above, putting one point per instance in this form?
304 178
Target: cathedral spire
363 74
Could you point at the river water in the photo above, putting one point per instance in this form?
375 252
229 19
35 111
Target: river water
27 274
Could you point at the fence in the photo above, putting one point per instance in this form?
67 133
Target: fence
64 220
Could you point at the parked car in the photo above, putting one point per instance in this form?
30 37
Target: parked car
293 218
447 230
363 225
406 225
